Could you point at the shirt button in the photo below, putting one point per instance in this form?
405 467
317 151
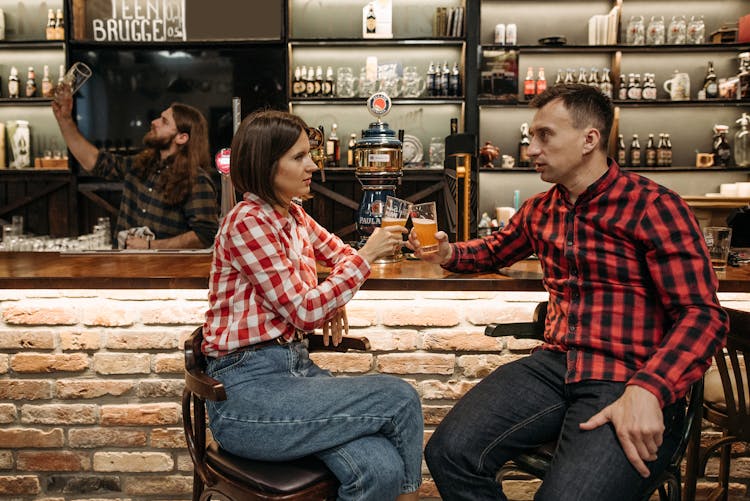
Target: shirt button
150 190
574 272
143 210
572 328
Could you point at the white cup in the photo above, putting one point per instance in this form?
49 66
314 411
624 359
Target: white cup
743 190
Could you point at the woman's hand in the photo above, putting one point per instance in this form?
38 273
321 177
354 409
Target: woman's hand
382 242
336 327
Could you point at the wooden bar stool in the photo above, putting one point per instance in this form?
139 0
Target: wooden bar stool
536 462
233 478
726 405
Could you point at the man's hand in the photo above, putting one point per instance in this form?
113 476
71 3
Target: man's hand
336 327
133 242
62 104
443 254
638 422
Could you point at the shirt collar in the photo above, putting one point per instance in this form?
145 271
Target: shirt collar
277 218
597 187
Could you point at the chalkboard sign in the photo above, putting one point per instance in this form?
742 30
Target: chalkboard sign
159 21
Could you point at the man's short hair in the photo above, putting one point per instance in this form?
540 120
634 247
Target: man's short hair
586 105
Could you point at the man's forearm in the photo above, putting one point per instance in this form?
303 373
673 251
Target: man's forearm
83 151
188 240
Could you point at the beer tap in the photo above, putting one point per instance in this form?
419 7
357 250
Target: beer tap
317 149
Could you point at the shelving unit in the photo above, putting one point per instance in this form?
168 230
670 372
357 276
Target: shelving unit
688 122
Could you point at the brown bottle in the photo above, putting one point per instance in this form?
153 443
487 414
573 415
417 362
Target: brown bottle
634 159
621 151
650 152
31 83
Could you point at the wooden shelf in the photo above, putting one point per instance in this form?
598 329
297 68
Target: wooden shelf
25 101
32 44
541 49
363 100
641 103
374 42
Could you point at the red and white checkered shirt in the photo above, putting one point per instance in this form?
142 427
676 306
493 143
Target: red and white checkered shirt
263 286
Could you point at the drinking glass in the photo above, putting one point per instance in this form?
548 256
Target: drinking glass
424 219
655 31
718 239
396 212
76 76
17 222
346 84
437 152
677 32
414 84
696 31
636 32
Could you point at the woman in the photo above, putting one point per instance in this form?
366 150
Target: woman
264 295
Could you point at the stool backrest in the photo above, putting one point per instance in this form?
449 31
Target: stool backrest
732 364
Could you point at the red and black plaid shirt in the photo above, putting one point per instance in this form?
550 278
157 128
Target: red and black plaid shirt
264 282
632 291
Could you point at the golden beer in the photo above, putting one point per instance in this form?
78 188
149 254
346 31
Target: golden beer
392 221
426 229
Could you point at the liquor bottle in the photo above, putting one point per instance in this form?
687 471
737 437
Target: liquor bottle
634 158
744 76
328 84
350 150
61 74
51 23
333 150
431 80
621 151
529 86
649 87
318 81
454 84
445 77
710 85
541 81
310 82
523 146
742 142
454 126
661 151
560 77
569 76
47 88
722 151
650 152
59 25
622 90
30 83
605 85
594 78
371 21
668 153
14 86
581 79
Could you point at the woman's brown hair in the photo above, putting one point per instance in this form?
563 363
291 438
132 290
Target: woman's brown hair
176 183
261 140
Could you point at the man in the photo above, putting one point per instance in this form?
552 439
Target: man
633 321
166 187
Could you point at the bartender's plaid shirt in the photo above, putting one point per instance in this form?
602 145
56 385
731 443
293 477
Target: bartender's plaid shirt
632 291
143 205
261 287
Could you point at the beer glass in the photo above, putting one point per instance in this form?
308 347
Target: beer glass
396 213
76 76
718 239
424 219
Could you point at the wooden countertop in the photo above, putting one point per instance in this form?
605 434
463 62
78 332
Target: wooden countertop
190 270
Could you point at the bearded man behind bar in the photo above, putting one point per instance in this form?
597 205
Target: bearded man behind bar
166 187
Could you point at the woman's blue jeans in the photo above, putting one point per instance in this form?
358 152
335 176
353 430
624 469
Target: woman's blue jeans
280 405
524 404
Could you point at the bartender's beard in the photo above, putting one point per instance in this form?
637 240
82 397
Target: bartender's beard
151 140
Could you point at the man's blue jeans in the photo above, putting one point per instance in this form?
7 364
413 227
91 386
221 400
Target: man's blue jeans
280 406
524 404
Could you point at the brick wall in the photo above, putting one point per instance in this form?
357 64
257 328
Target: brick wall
90 381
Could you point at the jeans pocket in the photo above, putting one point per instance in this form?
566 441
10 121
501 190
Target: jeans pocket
226 364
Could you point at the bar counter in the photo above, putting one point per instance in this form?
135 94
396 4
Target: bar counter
190 270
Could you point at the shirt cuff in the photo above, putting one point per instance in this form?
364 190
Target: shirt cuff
451 265
656 385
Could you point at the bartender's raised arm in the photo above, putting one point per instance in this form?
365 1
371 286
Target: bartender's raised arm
62 107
